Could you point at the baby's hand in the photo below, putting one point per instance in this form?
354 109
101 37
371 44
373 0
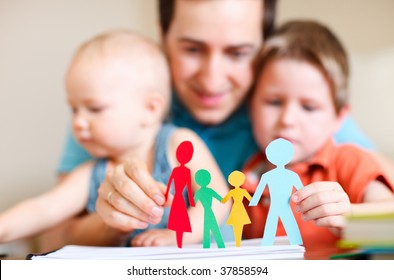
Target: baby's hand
325 203
154 237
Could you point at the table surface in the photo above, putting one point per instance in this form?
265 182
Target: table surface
324 251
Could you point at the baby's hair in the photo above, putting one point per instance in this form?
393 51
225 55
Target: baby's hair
316 44
144 54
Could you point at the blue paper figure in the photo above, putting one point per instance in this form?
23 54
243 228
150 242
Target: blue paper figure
280 182
205 196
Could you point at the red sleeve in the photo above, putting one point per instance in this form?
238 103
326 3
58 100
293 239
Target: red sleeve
356 169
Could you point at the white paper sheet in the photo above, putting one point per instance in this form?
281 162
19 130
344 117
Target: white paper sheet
249 249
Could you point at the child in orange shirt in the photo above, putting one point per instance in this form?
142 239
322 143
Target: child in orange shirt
301 96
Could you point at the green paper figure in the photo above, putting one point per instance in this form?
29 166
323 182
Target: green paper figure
238 216
205 196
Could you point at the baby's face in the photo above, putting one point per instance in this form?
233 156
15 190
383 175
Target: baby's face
106 106
293 101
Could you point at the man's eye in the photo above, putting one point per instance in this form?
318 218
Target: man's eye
96 109
238 54
192 50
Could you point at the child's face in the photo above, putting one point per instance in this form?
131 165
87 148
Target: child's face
106 104
293 101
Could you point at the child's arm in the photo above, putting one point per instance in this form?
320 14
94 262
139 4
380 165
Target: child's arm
39 213
326 203
377 199
202 158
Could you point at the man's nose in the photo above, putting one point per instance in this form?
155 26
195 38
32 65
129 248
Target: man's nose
213 74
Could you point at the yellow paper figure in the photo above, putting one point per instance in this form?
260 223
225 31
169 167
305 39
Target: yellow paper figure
238 216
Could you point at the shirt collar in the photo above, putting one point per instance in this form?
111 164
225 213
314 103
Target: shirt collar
321 159
180 116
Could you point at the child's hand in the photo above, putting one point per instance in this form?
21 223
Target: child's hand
325 203
154 237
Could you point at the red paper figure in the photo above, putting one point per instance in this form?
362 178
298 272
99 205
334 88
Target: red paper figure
178 219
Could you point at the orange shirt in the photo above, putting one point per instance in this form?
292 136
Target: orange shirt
350 166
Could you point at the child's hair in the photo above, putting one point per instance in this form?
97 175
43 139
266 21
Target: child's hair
146 56
314 43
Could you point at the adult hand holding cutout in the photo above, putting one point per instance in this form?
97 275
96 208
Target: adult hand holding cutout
325 203
129 198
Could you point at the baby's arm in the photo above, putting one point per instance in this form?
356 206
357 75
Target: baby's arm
46 210
155 237
202 158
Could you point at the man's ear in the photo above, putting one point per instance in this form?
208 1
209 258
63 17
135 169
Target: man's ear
341 116
154 108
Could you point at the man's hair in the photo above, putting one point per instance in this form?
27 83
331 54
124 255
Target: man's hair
314 43
167 8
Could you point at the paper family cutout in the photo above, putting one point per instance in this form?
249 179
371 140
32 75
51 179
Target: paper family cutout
178 219
280 182
238 216
205 196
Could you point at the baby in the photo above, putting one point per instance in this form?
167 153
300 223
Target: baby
118 87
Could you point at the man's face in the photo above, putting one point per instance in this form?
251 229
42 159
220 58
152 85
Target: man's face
211 46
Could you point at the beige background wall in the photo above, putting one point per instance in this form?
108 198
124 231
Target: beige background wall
38 37
366 28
